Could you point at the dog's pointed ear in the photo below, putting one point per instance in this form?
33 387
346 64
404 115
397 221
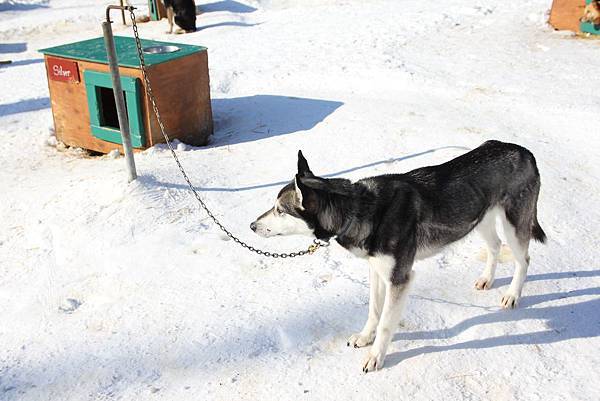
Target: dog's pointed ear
307 196
298 186
315 183
303 169
323 186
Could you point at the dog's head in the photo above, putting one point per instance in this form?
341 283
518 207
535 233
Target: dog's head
296 207
591 13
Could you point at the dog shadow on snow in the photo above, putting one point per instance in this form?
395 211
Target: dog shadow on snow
564 322
153 181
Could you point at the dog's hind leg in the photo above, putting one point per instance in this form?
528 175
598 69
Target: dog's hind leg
376 297
396 294
170 17
487 229
518 239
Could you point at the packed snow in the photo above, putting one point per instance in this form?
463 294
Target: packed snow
117 291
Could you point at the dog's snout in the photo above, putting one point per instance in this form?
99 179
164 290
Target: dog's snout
253 226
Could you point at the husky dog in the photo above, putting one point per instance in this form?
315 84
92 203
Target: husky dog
393 220
183 12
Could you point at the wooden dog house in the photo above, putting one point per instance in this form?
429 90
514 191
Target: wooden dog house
83 103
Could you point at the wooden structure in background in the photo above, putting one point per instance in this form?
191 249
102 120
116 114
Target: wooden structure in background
589 27
157 10
565 14
85 116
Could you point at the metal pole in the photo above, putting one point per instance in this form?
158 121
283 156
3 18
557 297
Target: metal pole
123 12
119 100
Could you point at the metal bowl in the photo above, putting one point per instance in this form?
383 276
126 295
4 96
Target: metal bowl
160 49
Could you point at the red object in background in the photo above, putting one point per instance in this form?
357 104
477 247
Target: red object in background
63 70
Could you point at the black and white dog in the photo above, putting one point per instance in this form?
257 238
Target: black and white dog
184 14
394 220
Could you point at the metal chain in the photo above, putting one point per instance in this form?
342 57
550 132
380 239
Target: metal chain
317 243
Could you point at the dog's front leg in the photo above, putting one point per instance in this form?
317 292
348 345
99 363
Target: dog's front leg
376 296
395 298
170 16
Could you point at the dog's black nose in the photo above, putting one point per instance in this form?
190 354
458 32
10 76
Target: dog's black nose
253 226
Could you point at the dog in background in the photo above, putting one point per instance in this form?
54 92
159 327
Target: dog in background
183 13
591 13
394 220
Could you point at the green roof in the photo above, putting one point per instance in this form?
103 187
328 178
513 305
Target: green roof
94 50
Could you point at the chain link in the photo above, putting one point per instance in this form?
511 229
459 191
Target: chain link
317 243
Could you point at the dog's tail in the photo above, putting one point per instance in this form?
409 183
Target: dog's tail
536 231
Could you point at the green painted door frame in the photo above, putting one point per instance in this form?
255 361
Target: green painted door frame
94 80
153 7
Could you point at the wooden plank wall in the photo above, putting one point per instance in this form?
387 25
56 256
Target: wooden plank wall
565 14
183 97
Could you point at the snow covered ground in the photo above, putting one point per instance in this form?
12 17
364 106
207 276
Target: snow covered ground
113 291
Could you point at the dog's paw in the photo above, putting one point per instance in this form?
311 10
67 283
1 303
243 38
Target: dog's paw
509 300
359 340
373 361
484 283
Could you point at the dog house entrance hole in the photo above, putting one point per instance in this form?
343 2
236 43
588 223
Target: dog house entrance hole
108 108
